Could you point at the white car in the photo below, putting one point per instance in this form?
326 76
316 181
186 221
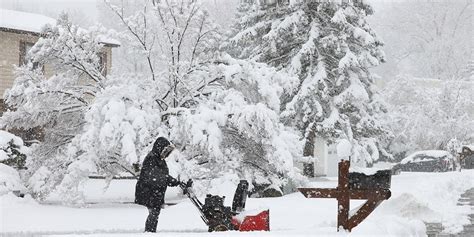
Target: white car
428 161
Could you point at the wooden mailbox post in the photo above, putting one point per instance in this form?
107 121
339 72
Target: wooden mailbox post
344 193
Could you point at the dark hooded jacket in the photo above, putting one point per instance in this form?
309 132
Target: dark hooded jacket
154 177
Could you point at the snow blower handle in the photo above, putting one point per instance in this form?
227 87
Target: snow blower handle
185 186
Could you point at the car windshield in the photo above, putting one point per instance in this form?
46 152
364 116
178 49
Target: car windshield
420 158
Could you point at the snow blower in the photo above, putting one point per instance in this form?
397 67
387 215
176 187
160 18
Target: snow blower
221 218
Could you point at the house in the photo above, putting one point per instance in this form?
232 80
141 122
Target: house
19 31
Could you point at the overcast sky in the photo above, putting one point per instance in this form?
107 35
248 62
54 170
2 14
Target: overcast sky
85 13
80 10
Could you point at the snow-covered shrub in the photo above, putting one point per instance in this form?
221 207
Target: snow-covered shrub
41 182
12 150
10 180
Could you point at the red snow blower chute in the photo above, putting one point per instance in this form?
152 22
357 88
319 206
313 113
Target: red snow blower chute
221 218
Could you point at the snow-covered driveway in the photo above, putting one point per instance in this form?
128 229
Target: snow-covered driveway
416 197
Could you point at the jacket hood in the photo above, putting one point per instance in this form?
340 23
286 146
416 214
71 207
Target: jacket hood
159 145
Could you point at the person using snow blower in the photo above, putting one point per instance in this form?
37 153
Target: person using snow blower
153 181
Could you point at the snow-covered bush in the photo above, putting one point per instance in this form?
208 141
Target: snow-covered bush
12 150
10 180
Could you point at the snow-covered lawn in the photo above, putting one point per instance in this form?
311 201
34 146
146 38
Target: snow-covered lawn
416 197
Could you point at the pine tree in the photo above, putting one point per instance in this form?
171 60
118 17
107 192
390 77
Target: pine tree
330 47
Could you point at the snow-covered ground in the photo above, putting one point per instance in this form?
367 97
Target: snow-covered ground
416 197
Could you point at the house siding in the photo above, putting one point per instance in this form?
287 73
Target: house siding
10 57
108 51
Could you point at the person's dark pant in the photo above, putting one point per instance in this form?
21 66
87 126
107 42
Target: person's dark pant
152 220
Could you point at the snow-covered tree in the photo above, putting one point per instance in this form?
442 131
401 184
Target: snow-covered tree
427 113
233 131
172 37
222 113
430 39
122 121
92 123
330 47
129 58
56 104
184 81
237 128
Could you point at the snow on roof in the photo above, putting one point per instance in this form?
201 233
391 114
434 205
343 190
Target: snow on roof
471 147
429 153
34 23
24 21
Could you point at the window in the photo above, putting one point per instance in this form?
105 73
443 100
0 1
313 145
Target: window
103 63
25 47
3 107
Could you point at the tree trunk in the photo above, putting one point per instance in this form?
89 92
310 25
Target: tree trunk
308 151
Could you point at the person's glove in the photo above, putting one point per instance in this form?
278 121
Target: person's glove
184 186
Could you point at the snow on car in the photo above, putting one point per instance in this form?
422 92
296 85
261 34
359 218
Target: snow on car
428 161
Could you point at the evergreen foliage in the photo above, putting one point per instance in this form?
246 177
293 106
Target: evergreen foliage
330 47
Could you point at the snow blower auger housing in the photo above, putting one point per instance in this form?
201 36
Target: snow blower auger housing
221 218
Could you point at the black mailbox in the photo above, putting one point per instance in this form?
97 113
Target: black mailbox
380 180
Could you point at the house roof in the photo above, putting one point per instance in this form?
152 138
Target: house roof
30 23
